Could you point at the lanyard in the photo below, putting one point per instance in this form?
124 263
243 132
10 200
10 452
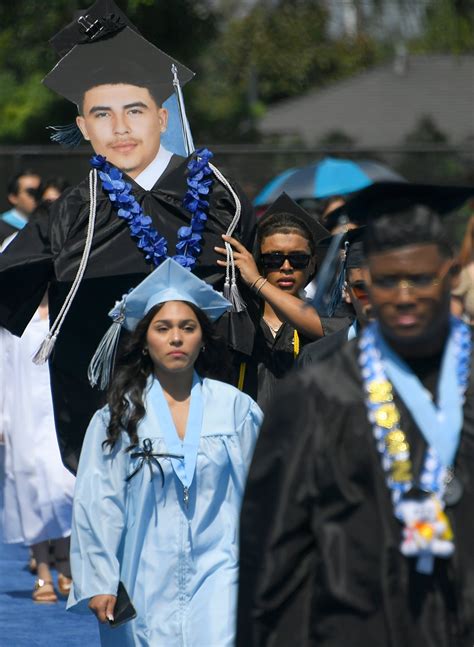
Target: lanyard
440 425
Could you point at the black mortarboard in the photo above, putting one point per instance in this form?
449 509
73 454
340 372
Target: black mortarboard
284 204
332 273
101 46
393 197
352 243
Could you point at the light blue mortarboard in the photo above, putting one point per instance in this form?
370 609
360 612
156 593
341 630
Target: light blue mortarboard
169 282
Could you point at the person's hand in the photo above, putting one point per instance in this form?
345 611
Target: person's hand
244 260
103 606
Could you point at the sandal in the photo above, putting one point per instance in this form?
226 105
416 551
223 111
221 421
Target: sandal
44 591
64 584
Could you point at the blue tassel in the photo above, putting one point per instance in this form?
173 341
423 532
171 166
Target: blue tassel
68 136
330 279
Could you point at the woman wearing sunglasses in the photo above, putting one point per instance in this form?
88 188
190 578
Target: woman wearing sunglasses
285 253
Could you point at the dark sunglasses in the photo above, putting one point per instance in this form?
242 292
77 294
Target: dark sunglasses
360 289
33 193
275 260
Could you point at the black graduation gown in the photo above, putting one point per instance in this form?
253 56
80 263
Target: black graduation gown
6 230
48 251
271 360
322 348
319 555
342 318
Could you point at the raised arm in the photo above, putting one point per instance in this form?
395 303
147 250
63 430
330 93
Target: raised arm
287 307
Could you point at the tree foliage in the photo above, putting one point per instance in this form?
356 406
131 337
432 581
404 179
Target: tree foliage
244 60
278 50
449 28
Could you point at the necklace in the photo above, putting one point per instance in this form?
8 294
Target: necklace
274 330
426 530
149 240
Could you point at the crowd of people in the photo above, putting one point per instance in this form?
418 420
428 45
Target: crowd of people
270 431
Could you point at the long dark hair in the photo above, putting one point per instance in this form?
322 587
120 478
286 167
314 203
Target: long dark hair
125 394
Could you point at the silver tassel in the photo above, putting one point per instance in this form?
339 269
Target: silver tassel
232 294
44 351
187 137
102 363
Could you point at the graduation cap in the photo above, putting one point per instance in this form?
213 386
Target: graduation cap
169 282
101 46
392 197
344 251
126 57
285 204
351 243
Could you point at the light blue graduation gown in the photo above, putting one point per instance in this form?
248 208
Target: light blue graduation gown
178 561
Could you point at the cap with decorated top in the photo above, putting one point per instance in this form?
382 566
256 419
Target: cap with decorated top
101 46
169 282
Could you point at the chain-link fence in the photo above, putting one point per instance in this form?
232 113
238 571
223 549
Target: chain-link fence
254 166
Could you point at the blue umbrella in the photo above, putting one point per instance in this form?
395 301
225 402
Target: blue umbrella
330 176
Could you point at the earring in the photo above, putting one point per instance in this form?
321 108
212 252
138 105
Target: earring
203 348
145 351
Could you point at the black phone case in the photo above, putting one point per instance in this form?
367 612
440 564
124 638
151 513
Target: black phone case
124 609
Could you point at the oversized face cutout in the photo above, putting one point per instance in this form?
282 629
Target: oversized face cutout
124 124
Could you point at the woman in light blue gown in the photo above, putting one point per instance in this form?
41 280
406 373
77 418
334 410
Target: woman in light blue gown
161 475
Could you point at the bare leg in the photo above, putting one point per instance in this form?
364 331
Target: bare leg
44 589
61 555
41 554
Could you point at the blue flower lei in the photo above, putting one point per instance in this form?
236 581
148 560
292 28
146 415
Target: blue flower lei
152 244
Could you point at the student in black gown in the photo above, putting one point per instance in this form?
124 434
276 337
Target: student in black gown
354 293
284 265
118 80
323 559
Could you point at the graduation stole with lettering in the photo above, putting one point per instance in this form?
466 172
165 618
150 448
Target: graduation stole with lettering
419 506
149 240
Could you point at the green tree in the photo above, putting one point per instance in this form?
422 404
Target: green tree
278 50
449 27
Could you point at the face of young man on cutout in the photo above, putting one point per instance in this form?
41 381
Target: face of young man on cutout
124 124
286 277
409 289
